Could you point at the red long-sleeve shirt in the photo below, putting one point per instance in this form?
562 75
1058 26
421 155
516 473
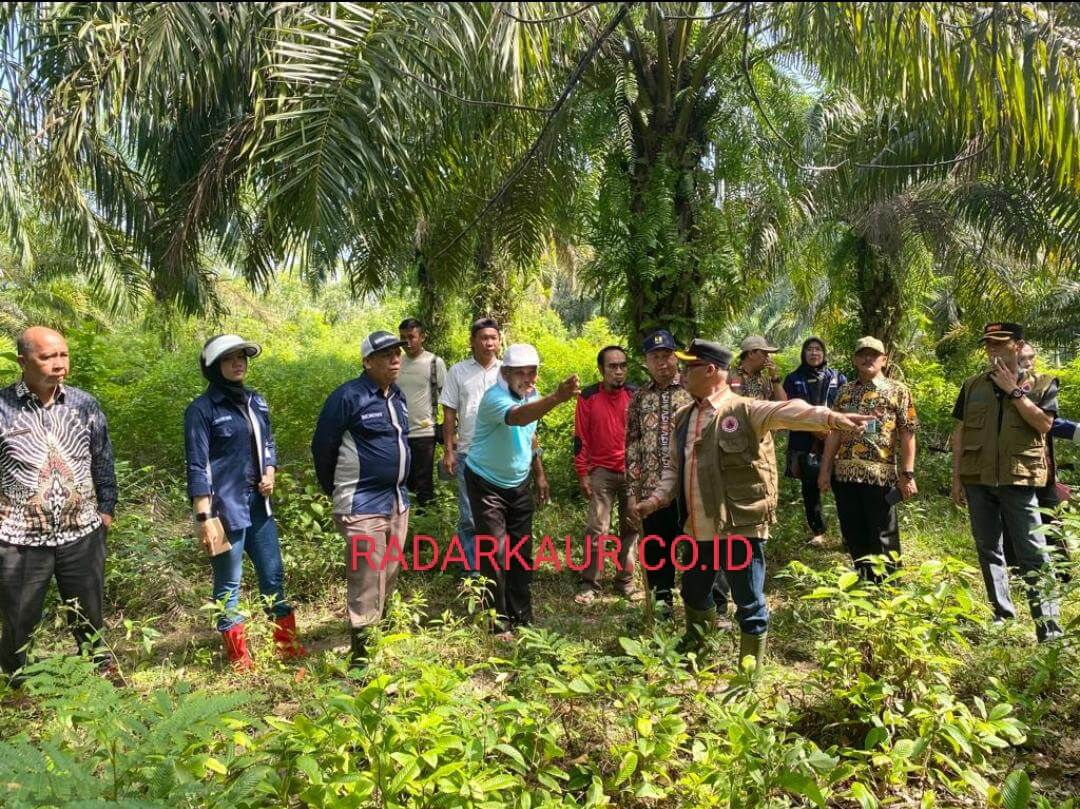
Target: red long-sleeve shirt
600 429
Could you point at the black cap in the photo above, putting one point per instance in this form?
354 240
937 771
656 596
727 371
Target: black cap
661 338
707 351
482 323
1002 331
379 341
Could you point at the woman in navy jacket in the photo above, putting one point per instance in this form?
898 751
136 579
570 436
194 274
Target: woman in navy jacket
231 459
814 382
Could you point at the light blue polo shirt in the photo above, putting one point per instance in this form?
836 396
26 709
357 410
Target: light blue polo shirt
501 453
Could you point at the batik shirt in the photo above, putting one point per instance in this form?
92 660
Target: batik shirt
649 424
870 457
754 386
56 466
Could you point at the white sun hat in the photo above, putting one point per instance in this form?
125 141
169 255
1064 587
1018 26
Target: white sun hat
218 347
520 355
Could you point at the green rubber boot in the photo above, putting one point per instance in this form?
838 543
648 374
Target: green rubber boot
753 646
699 625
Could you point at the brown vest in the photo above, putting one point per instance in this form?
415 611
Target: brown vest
1013 456
736 470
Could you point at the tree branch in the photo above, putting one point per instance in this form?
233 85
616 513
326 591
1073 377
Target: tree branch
745 64
639 60
527 158
934 164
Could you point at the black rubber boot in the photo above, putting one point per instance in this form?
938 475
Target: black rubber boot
358 647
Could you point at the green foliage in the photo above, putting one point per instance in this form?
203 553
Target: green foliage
934 389
553 721
888 667
102 745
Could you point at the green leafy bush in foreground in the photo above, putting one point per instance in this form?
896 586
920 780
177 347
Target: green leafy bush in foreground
559 722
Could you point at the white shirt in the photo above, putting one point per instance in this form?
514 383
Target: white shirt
466 383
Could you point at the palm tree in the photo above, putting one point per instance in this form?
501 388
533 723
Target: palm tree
686 82
267 135
961 235
317 136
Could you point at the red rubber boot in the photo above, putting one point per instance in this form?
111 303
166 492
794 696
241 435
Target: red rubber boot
288 646
236 647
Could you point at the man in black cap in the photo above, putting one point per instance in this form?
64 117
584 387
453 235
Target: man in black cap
722 470
999 461
649 421
361 453
1049 496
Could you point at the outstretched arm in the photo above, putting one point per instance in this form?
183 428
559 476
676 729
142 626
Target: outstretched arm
533 411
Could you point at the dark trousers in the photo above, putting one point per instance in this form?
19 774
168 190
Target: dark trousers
666 525
721 592
656 553
807 475
867 522
506 515
990 509
25 573
811 498
746 577
1048 499
421 480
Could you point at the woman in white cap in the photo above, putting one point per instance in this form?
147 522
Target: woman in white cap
231 458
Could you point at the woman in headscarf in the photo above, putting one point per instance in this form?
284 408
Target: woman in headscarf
815 382
231 460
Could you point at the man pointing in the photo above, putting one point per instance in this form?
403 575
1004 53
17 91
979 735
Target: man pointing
723 471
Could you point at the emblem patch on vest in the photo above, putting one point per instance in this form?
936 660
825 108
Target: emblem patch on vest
729 424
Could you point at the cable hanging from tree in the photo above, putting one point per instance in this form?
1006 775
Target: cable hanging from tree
745 67
554 18
474 101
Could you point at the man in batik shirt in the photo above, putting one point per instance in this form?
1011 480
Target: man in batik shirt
756 375
57 494
649 424
861 468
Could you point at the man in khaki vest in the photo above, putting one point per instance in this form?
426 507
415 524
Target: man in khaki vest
999 462
723 470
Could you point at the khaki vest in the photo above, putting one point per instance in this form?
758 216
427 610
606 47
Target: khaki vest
736 469
1015 456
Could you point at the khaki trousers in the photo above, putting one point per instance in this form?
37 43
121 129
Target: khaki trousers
608 488
369 580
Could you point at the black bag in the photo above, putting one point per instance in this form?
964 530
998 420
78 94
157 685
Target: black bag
435 401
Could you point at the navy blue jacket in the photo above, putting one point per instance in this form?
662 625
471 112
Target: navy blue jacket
217 442
796 387
361 448
1063 428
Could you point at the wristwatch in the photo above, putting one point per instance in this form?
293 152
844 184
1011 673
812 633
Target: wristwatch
1016 393
910 475
202 516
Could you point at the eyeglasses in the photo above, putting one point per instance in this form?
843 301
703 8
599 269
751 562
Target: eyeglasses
686 366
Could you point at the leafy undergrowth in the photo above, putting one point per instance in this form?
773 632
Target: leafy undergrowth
899 694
